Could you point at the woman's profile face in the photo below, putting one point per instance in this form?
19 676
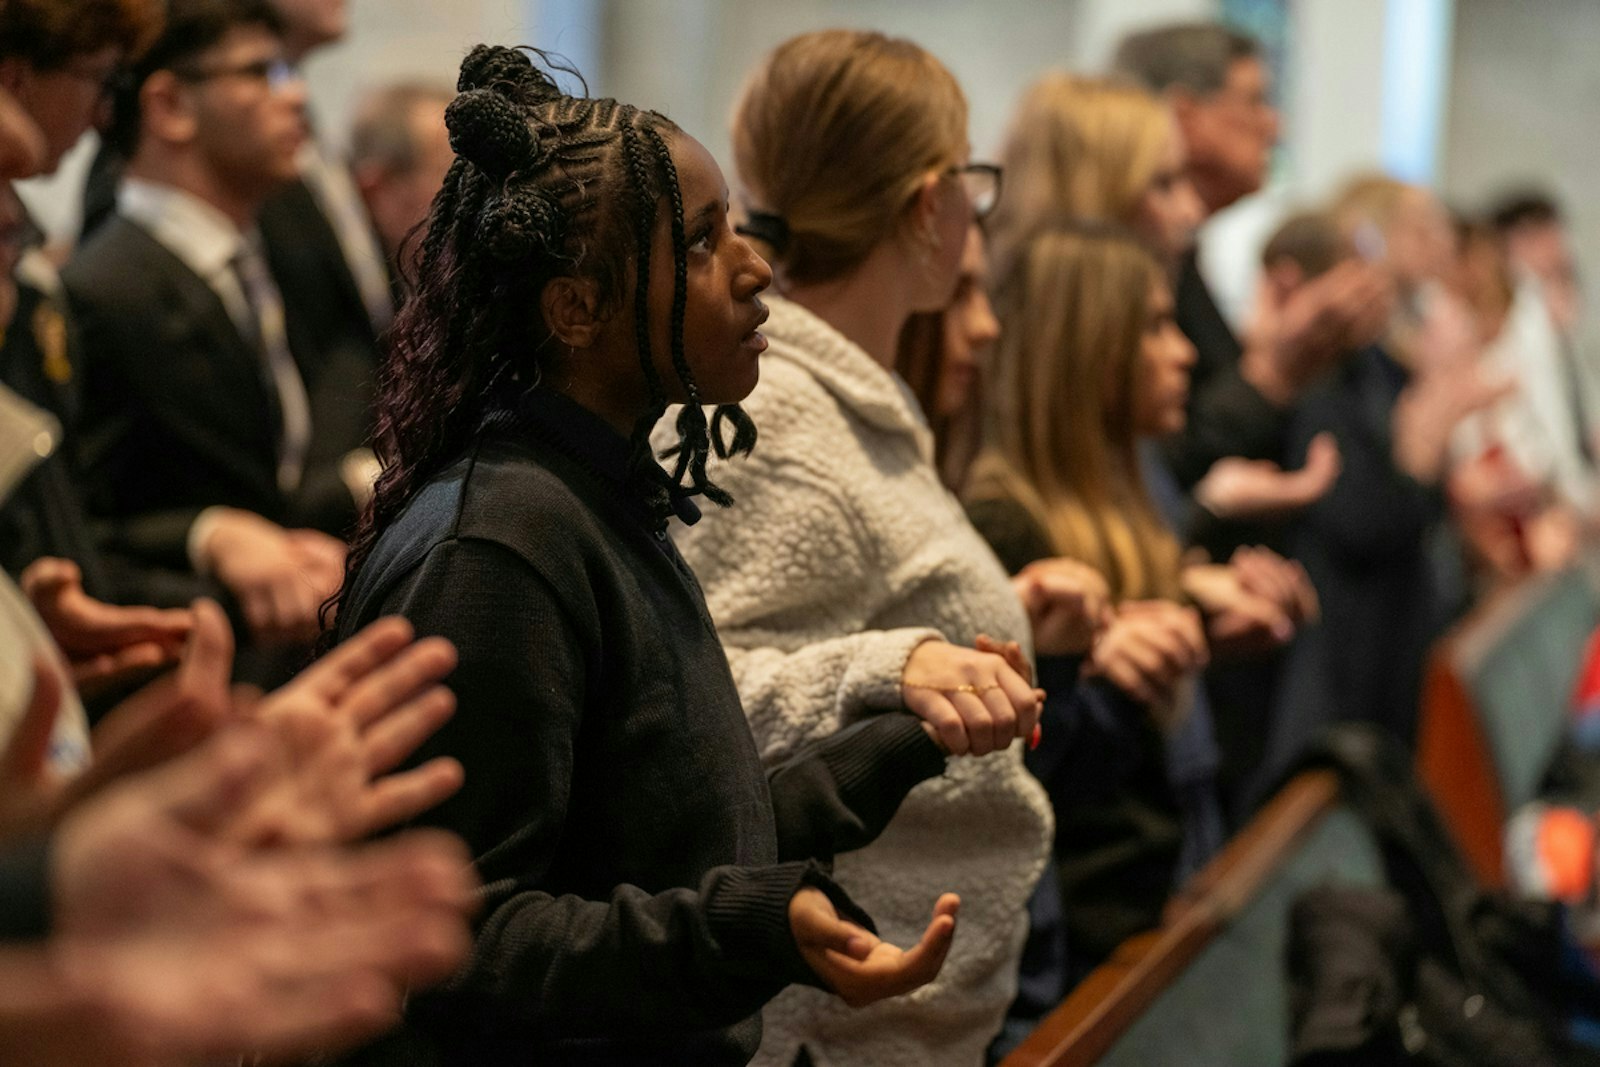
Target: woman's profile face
1161 378
969 328
1169 210
724 276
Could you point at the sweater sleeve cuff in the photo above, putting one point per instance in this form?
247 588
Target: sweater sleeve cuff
748 913
872 681
878 762
25 892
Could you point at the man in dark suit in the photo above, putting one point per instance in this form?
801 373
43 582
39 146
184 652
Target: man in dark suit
217 432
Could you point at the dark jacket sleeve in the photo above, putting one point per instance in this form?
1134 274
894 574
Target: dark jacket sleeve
1091 739
839 794
624 961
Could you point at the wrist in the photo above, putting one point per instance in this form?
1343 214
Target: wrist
205 531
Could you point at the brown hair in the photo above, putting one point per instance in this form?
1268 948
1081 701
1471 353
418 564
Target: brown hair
832 133
49 33
1060 404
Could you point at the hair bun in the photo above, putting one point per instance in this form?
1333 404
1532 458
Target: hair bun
508 71
490 132
488 65
515 224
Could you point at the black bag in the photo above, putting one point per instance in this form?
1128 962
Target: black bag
1435 970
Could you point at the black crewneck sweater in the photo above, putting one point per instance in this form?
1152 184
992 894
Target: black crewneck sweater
638 864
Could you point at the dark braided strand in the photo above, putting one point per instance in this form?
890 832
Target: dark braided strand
644 225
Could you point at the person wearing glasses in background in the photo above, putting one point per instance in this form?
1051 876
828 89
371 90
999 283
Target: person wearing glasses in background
846 579
202 438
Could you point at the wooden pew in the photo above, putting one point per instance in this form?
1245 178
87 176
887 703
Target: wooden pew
1206 988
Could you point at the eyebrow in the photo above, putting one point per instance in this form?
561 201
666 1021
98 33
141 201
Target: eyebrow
700 216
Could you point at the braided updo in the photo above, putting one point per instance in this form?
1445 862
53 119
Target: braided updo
544 185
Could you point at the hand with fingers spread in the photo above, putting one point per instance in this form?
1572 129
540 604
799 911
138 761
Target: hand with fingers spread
1149 649
1068 605
347 721
106 645
858 966
975 701
174 943
280 577
1236 488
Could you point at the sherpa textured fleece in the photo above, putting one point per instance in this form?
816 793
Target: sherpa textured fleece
841 554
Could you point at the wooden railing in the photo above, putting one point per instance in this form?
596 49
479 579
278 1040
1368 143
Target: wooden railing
1102 1008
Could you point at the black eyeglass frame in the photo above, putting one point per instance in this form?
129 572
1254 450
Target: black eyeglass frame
994 171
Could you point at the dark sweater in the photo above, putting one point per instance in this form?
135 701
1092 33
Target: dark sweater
637 865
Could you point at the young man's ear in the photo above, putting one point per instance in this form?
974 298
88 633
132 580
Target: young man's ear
166 109
571 308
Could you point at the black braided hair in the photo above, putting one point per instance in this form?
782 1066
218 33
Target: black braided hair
644 222
544 185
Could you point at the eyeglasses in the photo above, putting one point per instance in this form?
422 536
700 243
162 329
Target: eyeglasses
982 183
278 73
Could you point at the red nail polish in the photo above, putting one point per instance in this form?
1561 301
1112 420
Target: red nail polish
1033 741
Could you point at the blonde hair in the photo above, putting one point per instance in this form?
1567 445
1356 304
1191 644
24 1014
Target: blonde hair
1083 148
1060 404
833 132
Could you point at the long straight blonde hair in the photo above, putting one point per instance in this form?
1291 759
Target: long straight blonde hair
1083 148
1060 403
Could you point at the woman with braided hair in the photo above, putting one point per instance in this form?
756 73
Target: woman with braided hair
649 886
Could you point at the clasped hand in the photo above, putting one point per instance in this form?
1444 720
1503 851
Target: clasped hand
971 701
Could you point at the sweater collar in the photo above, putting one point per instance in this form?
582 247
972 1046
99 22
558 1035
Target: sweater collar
859 383
596 446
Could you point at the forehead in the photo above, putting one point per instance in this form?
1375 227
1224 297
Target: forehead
1246 74
250 40
700 180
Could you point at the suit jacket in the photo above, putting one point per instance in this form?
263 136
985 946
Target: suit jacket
303 251
177 414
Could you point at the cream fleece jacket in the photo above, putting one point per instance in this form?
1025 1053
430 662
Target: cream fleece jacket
842 553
